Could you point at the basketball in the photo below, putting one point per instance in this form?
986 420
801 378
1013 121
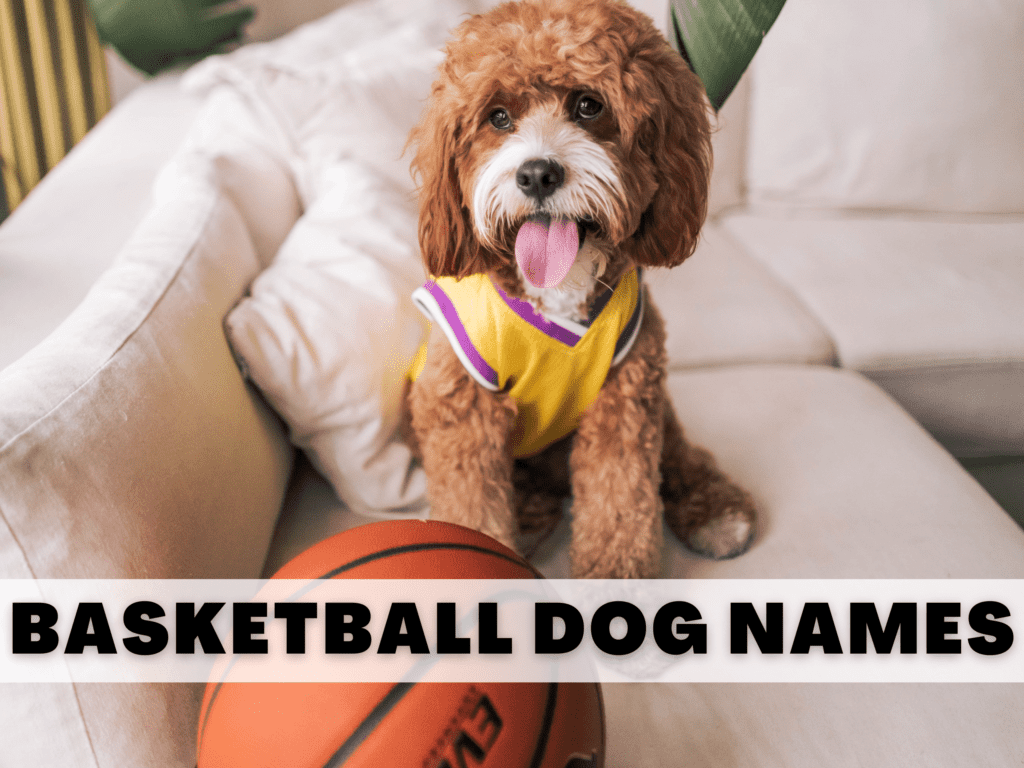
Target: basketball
426 725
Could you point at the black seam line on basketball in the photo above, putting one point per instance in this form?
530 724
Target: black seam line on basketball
425 546
209 709
407 548
545 730
365 728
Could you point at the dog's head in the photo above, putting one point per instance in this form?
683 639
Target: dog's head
557 123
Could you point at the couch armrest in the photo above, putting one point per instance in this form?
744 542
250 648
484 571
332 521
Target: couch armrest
70 227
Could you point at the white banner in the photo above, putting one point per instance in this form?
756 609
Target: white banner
348 630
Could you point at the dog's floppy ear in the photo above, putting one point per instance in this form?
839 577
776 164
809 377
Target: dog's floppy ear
676 137
447 243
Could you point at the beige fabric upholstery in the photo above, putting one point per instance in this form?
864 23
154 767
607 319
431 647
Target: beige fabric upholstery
929 309
143 359
809 726
59 241
909 105
158 462
722 307
729 141
848 486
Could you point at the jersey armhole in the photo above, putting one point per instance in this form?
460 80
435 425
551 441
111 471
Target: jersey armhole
433 302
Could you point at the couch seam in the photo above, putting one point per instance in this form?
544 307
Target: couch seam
85 726
757 204
18 544
966 364
789 292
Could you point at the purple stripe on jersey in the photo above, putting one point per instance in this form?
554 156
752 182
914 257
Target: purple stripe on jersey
452 318
526 311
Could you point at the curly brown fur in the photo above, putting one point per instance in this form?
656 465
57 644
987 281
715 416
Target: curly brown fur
614 462
462 433
703 508
541 484
520 54
636 180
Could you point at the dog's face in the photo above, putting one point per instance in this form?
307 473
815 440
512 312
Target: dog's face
561 135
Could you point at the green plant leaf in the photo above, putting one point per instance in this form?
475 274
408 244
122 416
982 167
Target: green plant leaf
720 37
153 34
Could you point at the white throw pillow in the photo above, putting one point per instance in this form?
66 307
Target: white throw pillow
329 332
350 85
329 329
892 104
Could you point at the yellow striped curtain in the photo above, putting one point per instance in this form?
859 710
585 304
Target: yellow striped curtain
53 88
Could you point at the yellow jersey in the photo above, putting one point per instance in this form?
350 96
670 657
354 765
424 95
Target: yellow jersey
552 368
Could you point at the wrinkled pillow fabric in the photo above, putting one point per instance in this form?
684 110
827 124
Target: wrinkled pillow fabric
328 333
328 329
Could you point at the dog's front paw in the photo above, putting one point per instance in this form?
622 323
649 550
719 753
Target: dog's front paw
726 535
716 520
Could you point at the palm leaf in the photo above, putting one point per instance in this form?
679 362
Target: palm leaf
720 37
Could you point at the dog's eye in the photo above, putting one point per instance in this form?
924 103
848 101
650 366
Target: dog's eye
587 108
500 119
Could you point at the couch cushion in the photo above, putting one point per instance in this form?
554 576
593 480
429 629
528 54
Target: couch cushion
130 447
899 105
60 256
723 307
142 369
848 485
808 726
930 309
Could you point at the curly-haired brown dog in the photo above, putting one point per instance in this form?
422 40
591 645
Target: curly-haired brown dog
565 144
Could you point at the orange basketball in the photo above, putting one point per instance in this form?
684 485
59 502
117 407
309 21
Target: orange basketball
426 725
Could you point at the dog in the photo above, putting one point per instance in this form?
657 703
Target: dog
564 148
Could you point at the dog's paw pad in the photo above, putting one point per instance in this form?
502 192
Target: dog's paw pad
727 535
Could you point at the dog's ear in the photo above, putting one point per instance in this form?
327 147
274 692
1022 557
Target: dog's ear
447 243
676 139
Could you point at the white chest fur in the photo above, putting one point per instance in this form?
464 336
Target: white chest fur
568 300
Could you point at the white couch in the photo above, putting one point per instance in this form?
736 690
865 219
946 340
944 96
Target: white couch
827 324
875 169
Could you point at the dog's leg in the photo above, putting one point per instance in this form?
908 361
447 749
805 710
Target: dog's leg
708 513
617 529
462 433
541 485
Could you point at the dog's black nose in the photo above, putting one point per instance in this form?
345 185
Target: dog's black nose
539 178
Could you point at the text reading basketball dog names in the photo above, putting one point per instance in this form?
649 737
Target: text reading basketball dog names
615 628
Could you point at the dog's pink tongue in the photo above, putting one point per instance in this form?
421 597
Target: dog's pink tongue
545 252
